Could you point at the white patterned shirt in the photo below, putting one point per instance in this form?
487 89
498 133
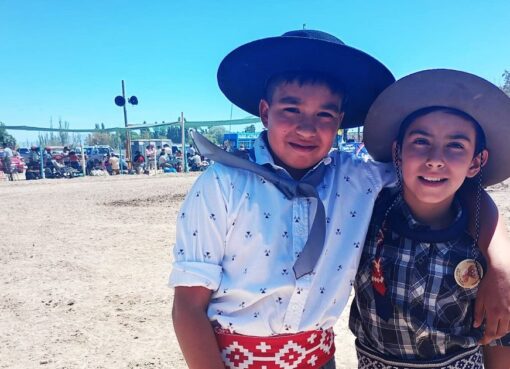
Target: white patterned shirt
238 236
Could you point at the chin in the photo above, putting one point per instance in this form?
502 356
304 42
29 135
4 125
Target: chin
433 199
300 163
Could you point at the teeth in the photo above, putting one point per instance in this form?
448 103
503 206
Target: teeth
432 179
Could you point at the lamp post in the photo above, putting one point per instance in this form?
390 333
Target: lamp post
121 101
183 140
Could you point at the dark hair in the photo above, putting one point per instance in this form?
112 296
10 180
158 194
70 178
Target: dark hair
302 78
479 134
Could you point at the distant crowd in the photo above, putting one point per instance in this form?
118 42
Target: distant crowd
34 163
167 160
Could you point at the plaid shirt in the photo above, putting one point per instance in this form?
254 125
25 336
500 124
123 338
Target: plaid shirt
424 313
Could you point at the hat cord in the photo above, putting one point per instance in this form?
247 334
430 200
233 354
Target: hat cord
475 250
398 170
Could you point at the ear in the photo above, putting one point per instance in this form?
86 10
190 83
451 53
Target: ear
478 161
264 112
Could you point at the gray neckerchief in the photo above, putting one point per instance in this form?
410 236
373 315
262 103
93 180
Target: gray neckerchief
291 188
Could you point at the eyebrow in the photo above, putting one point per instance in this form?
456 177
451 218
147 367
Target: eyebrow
289 100
457 136
331 106
296 101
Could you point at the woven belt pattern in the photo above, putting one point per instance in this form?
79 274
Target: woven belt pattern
470 359
304 350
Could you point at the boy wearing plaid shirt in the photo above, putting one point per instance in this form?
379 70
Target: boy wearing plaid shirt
420 269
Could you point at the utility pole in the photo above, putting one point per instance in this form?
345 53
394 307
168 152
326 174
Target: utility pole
183 137
121 101
128 132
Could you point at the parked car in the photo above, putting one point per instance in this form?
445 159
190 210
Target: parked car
24 153
17 163
55 150
97 152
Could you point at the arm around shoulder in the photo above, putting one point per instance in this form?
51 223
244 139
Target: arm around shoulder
493 298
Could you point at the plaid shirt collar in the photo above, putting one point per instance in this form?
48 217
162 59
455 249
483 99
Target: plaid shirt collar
404 223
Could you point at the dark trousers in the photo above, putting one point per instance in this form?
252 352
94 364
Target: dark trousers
7 167
330 364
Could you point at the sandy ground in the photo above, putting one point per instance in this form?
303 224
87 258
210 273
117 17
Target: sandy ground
83 271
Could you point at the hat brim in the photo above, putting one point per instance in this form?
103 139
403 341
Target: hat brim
479 98
243 74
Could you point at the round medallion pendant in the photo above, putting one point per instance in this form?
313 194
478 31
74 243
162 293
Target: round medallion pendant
468 273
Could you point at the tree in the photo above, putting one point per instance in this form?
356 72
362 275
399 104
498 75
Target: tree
506 82
159 132
99 138
49 138
6 137
103 137
75 139
215 134
250 128
62 134
173 132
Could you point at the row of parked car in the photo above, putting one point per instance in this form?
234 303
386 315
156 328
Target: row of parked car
22 158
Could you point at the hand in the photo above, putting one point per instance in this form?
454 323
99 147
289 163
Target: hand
493 303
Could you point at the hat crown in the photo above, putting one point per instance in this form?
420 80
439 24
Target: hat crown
485 102
313 34
244 72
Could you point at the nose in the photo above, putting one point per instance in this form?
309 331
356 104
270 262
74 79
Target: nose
435 158
306 126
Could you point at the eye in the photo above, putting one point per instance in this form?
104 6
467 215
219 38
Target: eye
420 141
456 145
325 114
291 109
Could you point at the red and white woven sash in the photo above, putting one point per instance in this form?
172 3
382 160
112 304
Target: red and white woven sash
308 350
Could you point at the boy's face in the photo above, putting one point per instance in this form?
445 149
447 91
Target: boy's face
302 122
436 157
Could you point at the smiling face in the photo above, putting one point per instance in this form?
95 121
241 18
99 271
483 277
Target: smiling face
437 154
302 120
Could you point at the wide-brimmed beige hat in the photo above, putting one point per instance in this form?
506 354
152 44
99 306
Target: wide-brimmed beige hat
479 98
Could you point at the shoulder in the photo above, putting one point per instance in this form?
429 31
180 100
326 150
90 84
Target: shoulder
356 166
350 159
224 173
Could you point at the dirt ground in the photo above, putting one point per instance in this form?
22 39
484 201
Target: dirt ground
84 265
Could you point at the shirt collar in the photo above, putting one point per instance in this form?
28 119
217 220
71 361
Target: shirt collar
415 224
263 154
405 224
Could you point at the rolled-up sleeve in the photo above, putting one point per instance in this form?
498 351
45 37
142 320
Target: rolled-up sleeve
201 233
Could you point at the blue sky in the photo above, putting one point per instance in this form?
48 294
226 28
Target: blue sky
66 58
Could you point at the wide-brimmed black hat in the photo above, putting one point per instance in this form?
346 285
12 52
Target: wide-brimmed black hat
477 97
244 73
